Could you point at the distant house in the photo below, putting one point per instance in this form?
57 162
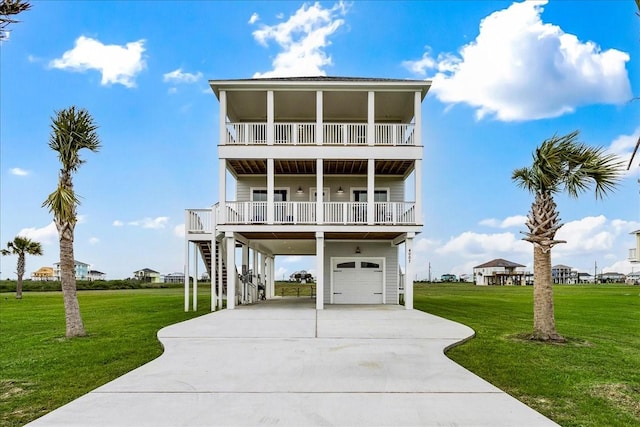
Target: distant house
96 275
81 268
301 276
174 278
634 253
611 278
564 274
585 278
43 274
499 272
633 278
448 278
147 275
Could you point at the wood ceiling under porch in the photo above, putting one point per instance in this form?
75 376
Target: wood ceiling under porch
330 167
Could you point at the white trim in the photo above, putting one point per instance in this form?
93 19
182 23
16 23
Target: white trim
326 196
384 273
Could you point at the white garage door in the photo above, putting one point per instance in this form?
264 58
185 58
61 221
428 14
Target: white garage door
358 280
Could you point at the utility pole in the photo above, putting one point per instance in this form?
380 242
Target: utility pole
595 272
429 271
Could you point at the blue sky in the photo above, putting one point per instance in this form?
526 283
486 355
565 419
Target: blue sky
505 76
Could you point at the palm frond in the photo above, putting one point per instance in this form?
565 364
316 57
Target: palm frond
62 203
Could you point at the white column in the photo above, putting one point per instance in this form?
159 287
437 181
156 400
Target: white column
270 118
319 270
319 118
319 191
231 270
371 175
371 118
245 268
270 190
262 268
272 275
221 247
212 268
222 119
417 111
195 277
222 189
186 275
417 185
408 277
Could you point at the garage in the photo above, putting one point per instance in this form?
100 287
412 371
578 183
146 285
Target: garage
357 280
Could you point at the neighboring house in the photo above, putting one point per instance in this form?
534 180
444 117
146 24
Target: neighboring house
448 278
147 275
82 270
585 278
174 278
43 274
611 278
499 272
96 275
301 276
633 278
563 274
322 166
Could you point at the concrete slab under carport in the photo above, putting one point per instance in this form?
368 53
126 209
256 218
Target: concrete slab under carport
288 364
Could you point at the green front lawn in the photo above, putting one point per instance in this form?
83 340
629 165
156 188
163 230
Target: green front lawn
40 370
593 380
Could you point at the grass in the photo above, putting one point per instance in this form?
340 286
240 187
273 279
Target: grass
41 370
593 380
292 289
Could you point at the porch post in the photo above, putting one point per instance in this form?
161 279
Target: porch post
245 269
319 270
417 117
212 268
271 262
222 124
371 174
222 189
270 190
220 247
408 278
270 118
371 117
231 270
319 191
186 274
262 269
417 185
195 277
319 118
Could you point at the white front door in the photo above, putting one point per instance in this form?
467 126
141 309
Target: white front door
357 280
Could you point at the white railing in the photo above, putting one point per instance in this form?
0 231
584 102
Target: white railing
397 134
246 133
346 213
393 134
633 254
199 221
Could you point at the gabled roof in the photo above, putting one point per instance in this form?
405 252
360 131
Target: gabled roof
146 270
561 267
499 262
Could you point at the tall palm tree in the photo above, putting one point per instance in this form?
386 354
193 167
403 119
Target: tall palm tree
560 164
21 246
72 130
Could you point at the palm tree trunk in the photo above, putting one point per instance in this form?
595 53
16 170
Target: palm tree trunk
20 273
73 320
544 323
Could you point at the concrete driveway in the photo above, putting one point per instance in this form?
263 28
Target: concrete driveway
284 363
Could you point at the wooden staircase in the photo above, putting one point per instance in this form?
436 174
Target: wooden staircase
206 253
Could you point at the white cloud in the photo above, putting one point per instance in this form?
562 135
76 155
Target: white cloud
178 230
470 245
45 235
290 259
172 90
511 221
254 18
281 273
154 223
178 76
520 68
18 172
118 223
118 64
94 241
303 39
623 146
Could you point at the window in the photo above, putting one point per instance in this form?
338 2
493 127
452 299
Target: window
351 264
378 195
279 195
369 265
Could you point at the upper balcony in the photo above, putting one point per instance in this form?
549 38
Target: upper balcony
350 134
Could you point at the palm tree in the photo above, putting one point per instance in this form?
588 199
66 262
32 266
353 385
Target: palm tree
72 130
21 246
560 164
9 8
